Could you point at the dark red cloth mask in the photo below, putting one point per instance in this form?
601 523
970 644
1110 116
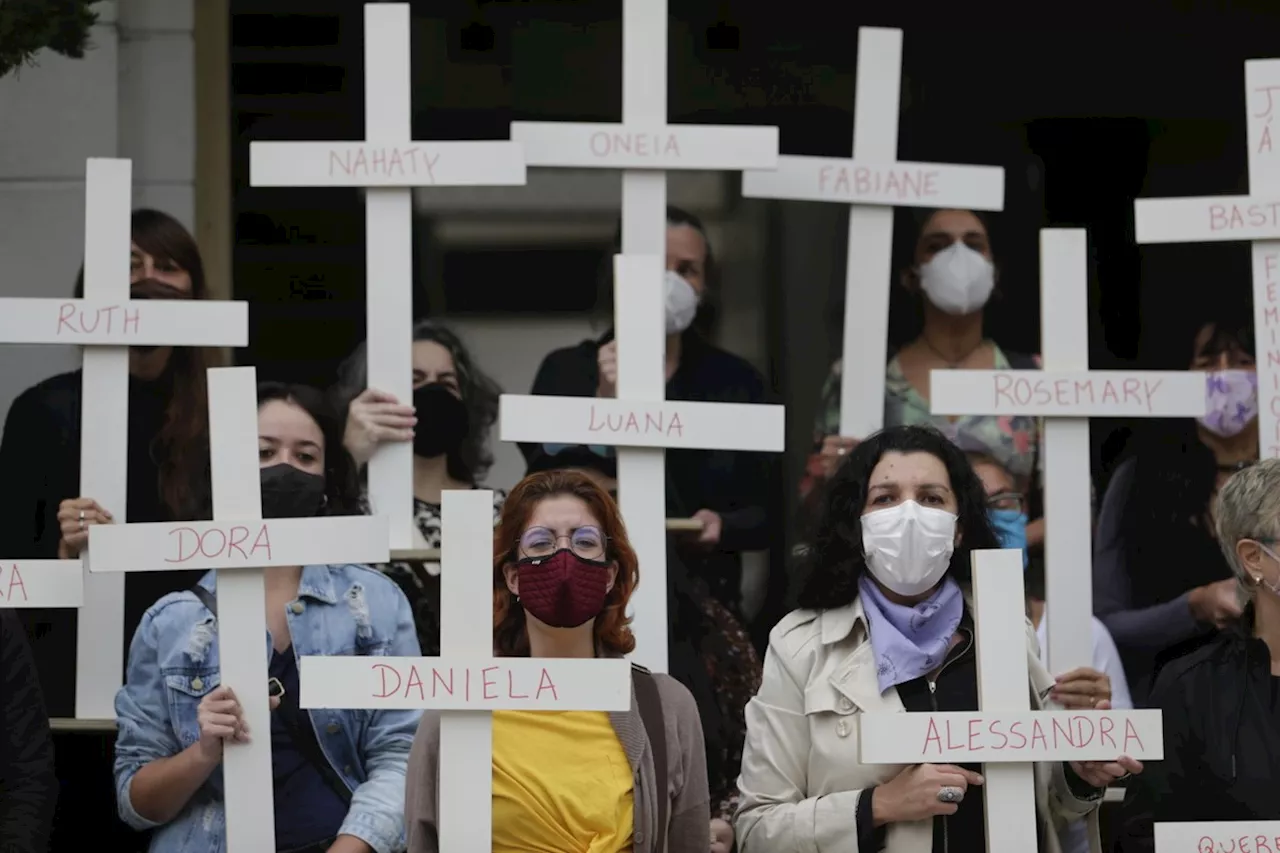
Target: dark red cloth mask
563 590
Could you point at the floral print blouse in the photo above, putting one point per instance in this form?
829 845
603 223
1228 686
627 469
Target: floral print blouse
1012 440
420 581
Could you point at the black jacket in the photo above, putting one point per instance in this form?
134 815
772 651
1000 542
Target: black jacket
1221 742
40 466
28 783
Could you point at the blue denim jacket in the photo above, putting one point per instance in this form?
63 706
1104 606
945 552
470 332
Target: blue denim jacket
173 663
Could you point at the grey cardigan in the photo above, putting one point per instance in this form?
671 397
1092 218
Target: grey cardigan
689 826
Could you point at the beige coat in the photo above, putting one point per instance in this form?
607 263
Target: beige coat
800 773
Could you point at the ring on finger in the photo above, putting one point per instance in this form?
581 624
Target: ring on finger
950 794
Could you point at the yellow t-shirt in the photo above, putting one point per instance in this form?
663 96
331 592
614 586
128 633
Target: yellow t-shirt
561 784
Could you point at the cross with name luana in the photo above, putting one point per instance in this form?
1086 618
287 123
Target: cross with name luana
106 322
388 164
466 683
639 422
1004 734
1066 393
1256 218
873 182
239 543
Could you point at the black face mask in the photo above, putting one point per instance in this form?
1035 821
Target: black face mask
442 421
290 493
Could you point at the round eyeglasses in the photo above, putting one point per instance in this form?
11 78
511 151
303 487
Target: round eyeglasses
587 542
1007 500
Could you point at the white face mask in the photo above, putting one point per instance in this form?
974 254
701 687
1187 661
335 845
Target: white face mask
958 280
682 303
908 547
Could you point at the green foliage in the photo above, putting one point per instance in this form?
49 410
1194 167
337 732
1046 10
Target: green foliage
26 26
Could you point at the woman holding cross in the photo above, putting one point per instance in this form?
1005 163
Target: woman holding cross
887 626
953 275
574 781
338 776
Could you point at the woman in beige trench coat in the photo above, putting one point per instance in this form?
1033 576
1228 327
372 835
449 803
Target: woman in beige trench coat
886 626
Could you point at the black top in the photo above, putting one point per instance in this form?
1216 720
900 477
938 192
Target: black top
1153 546
734 484
1221 718
28 782
307 809
40 466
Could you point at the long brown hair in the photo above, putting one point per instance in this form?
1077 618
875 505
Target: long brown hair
612 627
181 448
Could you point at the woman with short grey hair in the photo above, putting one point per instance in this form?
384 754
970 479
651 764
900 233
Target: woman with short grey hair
1221 703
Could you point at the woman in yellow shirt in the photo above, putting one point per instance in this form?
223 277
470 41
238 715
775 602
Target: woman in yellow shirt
574 781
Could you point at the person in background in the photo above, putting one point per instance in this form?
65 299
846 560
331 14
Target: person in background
1219 703
574 781
708 651
28 782
727 491
1160 582
338 775
1006 508
954 273
887 625
47 517
455 405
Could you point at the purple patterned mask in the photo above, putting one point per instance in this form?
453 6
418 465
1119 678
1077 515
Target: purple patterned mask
1232 401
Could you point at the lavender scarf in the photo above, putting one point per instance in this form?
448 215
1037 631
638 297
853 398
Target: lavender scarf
910 640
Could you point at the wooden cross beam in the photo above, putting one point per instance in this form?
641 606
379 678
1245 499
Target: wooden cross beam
466 682
873 182
106 322
387 165
1005 735
239 543
644 146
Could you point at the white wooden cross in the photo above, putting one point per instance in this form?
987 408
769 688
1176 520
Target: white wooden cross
1255 217
240 544
467 683
644 146
1005 735
107 322
1245 836
1066 393
388 164
873 182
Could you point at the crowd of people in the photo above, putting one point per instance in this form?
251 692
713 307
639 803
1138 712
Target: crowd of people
750 742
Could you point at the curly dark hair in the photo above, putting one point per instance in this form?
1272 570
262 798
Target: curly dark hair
341 480
472 460
834 561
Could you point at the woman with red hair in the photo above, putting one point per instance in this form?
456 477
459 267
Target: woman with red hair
574 781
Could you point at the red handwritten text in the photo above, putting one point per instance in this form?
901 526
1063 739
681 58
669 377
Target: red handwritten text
1267 305
387 162
892 182
228 542
1015 391
1078 732
1238 844
1228 217
605 143
78 321
11 586
638 423
488 684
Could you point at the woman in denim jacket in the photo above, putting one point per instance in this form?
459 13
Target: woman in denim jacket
339 775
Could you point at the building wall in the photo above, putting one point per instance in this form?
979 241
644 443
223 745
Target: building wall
131 96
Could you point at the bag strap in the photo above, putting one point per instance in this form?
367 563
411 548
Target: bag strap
650 703
298 723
